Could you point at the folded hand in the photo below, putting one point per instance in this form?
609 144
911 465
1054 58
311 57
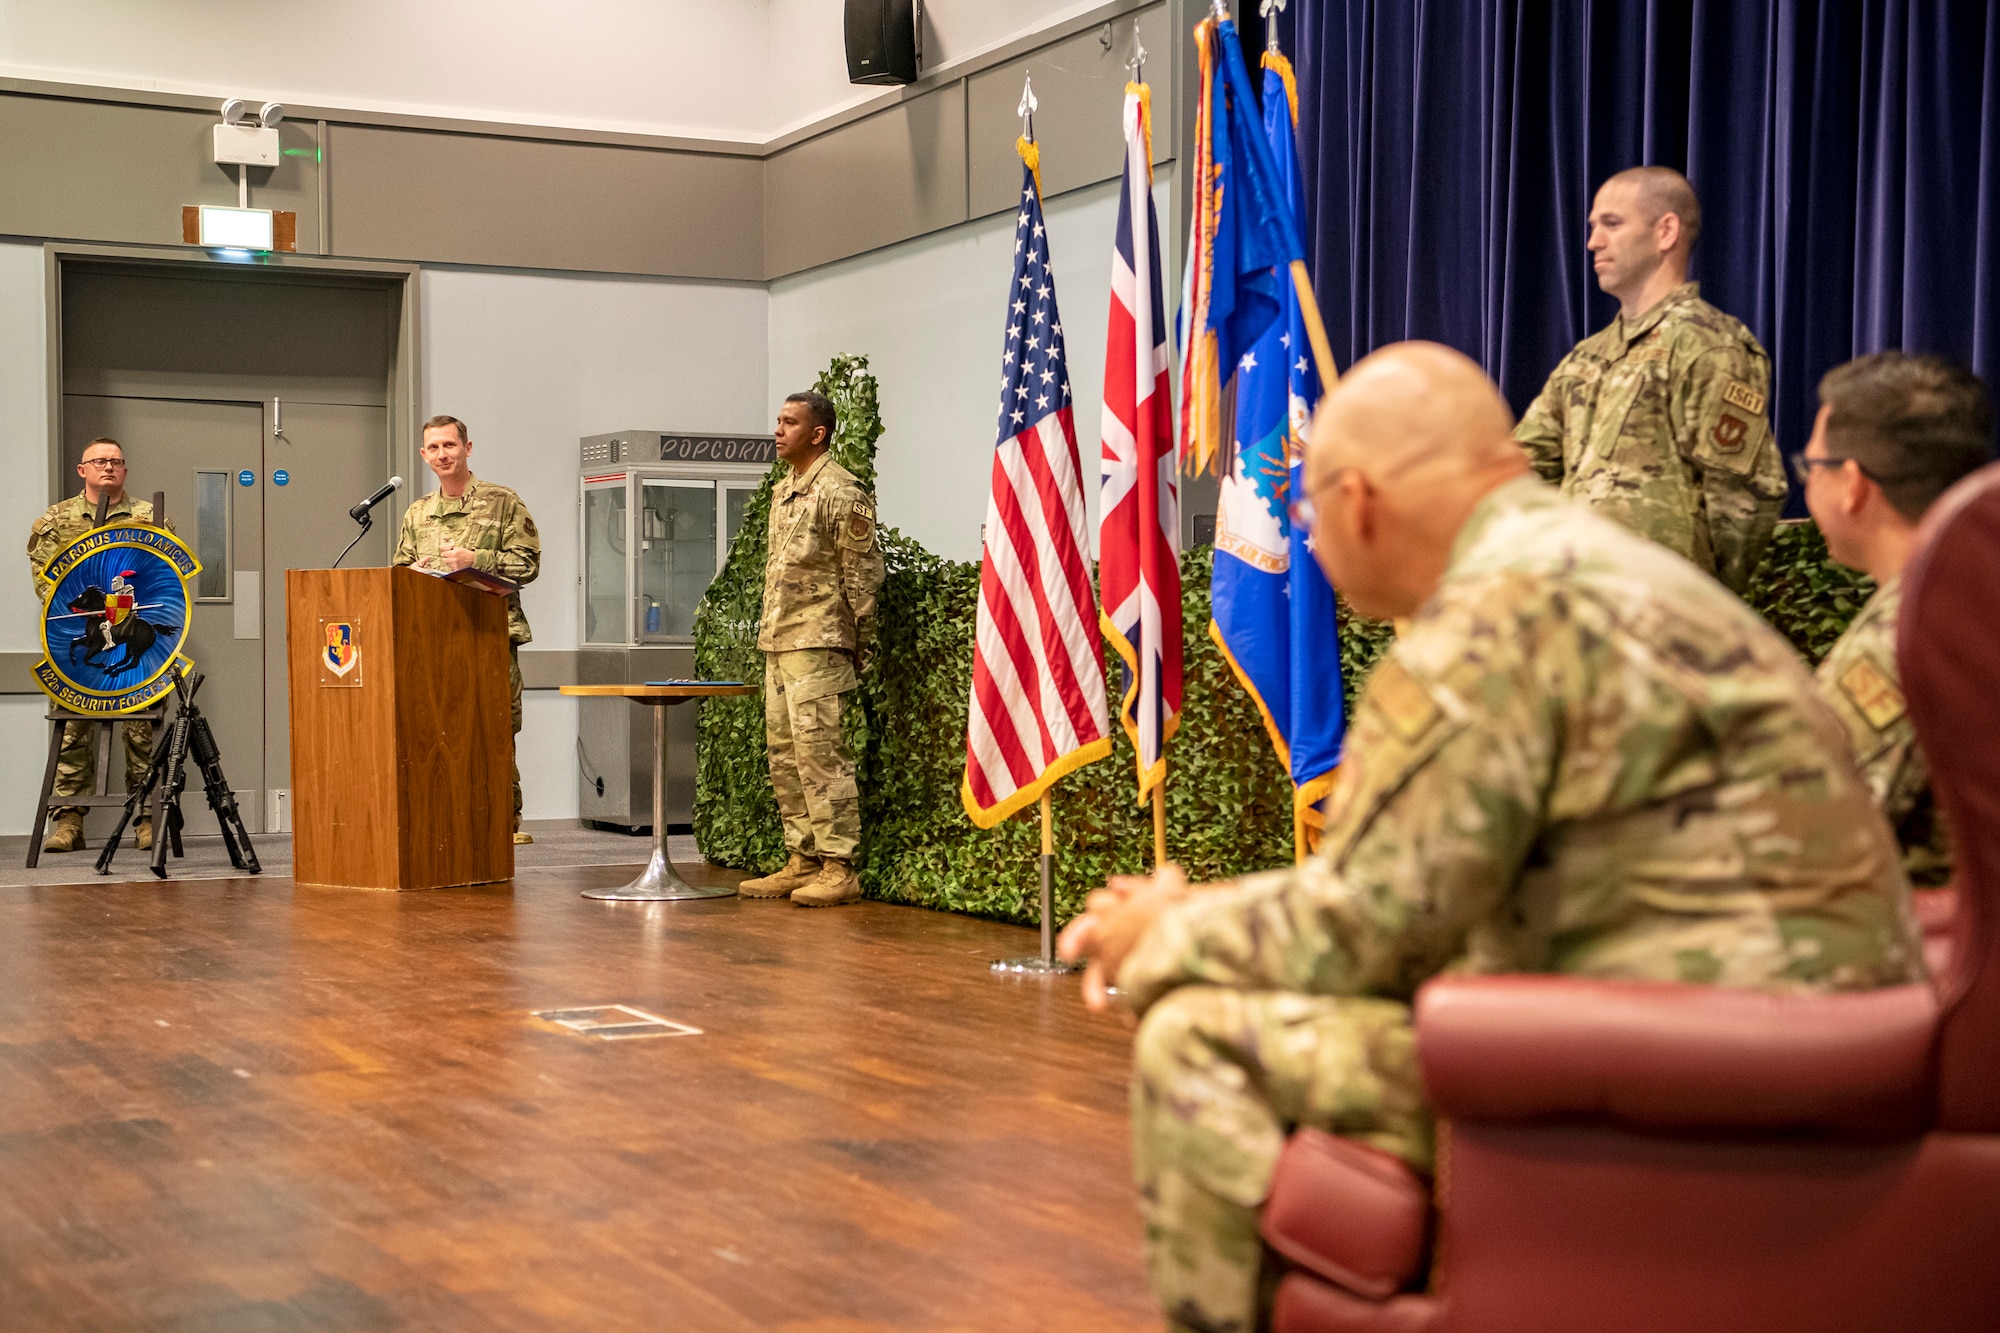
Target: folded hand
1114 920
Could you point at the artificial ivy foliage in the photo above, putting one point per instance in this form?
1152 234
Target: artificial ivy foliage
1228 800
1799 589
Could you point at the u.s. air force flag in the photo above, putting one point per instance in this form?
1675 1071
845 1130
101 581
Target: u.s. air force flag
1274 612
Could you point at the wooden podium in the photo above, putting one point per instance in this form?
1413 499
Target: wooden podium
402 748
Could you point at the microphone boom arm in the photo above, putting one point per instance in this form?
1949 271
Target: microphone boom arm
367 522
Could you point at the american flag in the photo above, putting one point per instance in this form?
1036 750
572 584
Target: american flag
1038 705
1140 518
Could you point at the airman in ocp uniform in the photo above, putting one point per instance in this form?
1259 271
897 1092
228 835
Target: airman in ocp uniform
822 571
1582 756
470 523
1659 420
103 473
1894 433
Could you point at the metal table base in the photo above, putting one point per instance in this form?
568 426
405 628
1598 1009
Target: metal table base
659 883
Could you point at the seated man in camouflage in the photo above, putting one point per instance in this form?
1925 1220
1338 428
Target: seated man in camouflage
1894 432
1582 755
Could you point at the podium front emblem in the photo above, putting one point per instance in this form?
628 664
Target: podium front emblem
115 613
339 654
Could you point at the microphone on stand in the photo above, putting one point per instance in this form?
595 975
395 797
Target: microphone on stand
362 514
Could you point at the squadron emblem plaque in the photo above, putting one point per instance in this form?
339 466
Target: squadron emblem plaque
115 612
340 654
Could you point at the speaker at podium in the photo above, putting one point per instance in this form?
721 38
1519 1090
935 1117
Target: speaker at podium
402 745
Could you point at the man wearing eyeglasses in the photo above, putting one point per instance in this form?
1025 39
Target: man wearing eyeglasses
1658 420
103 473
1894 433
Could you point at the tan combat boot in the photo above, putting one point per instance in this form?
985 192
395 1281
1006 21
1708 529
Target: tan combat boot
66 836
142 834
798 872
523 839
835 884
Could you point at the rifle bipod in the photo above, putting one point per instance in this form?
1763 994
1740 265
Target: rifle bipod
166 778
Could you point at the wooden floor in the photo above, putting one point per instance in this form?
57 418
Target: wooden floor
238 1105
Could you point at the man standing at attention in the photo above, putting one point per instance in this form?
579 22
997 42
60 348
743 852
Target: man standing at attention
1581 756
465 523
1658 421
821 574
1894 432
103 473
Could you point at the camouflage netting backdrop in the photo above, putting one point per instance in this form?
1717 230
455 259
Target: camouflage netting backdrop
1228 803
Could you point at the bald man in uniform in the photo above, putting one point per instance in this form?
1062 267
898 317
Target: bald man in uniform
1582 756
1658 420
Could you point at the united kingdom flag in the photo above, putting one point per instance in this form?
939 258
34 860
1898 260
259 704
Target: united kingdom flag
1140 516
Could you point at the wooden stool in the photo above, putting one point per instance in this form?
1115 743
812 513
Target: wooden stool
59 720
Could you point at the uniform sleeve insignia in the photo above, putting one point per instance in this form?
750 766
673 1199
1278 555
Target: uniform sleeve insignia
1873 693
1409 708
1739 394
1730 432
859 529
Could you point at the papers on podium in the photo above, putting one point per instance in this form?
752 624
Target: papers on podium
496 584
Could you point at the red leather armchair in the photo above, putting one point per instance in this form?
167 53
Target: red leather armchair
1629 1158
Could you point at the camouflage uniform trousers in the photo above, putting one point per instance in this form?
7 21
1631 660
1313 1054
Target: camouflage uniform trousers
514 691
812 768
1220 1078
76 765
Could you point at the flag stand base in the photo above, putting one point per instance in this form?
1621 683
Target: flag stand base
1047 964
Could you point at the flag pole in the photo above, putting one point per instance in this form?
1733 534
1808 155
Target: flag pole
1160 819
1045 963
1048 882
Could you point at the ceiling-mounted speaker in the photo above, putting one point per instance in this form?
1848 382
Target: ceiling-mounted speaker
885 40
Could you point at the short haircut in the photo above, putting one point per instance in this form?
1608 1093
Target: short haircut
1665 191
1915 424
105 439
819 408
464 435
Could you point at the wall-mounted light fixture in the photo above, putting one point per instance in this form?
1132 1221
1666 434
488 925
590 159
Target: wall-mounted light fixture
243 140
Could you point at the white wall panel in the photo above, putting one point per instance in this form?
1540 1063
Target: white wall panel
727 69
928 314
24 437
25 736
532 362
694 67
809 55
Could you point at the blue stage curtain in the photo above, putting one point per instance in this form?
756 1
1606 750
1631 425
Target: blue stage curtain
1847 155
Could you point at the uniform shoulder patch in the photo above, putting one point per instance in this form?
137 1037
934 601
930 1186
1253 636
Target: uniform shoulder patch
1730 432
1739 394
1408 706
857 530
1871 691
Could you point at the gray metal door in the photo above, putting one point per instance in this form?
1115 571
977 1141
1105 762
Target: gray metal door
291 514
331 455
196 452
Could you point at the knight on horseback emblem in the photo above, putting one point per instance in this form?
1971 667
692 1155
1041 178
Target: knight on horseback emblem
115 613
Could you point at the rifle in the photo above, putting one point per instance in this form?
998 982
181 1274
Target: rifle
166 778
